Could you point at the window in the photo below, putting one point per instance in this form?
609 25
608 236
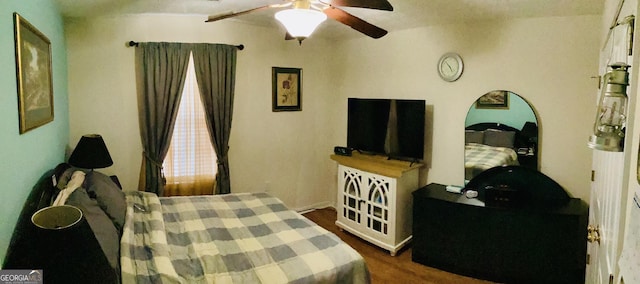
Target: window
190 165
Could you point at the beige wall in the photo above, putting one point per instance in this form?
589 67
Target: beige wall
547 61
285 153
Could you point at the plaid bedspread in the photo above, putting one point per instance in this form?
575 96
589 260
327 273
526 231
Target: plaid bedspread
483 157
235 238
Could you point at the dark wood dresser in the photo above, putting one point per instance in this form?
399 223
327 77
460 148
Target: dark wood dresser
522 244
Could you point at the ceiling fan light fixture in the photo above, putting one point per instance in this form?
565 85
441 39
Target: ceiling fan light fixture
300 23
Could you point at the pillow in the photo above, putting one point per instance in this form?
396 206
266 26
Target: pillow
108 195
499 138
101 225
472 136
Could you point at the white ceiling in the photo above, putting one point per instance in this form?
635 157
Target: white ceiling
407 13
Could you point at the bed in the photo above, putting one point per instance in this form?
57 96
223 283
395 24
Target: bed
489 145
233 238
480 157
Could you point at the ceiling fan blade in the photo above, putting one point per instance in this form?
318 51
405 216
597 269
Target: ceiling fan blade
370 4
354 22
214 18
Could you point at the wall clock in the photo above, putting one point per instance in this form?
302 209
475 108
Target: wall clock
450 66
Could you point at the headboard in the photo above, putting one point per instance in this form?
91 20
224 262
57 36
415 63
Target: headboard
491 125
77 256
519 139
41 195
525 187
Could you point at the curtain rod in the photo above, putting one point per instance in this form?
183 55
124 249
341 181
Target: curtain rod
133 43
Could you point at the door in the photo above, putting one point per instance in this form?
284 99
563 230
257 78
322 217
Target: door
350 196
604 216
609 178
378 204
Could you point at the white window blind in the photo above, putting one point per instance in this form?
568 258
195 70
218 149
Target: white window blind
191 157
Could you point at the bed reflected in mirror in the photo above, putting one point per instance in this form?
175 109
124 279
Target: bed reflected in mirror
501 128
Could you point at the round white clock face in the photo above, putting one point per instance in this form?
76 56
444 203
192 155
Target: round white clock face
450 67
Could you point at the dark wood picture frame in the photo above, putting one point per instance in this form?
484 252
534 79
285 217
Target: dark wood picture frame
33 72
494 100
286 89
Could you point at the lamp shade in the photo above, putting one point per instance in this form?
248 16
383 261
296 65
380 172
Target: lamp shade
91 153
300 23
66 249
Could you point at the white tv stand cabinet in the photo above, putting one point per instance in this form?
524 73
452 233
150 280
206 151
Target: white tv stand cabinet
374 198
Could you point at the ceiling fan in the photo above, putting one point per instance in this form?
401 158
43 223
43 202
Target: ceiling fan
303 16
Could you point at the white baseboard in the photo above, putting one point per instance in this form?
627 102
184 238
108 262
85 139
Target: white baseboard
309 208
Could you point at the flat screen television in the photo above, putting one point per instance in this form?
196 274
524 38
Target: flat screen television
391 127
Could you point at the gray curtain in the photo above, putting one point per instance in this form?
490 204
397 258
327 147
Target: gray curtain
215 66
160 71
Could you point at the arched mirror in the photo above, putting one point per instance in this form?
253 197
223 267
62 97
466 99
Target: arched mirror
501 128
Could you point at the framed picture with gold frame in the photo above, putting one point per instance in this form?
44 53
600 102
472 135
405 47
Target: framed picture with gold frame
287 86
33 72
494 100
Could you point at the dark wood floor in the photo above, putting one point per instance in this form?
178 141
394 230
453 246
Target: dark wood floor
383 267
